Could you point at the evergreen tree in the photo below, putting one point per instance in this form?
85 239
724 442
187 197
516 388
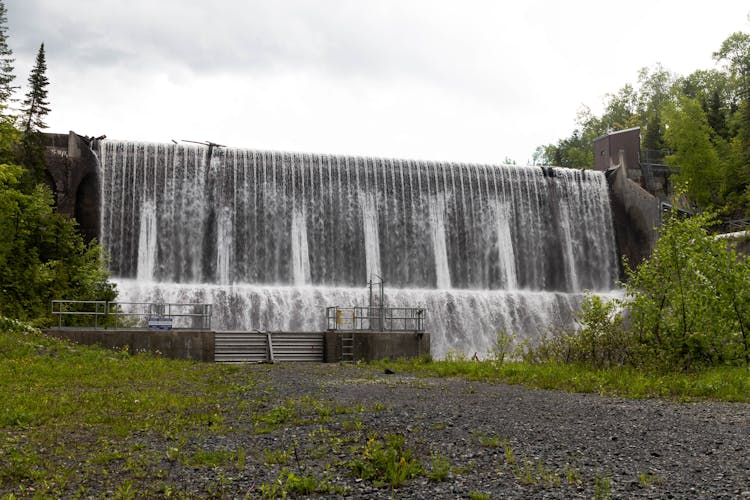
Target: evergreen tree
35 106
6 61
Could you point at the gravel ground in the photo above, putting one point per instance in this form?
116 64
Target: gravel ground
642 448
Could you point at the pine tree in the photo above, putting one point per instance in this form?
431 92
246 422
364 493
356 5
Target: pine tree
35 106
6 61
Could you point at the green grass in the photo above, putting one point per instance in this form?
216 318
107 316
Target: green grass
721 383
102 404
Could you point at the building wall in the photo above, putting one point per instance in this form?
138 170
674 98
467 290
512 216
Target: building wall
607 150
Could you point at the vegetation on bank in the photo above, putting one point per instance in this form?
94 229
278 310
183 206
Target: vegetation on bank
725 383
682 330
42 254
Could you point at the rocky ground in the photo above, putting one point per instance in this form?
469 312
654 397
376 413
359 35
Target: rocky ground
501 441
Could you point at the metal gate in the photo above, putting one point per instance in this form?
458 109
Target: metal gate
259 347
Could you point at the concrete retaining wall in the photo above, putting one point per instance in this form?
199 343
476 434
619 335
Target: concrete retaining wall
370 346
177 344
635 214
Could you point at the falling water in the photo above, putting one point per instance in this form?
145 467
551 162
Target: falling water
372 239
147 242
437 223
224 248
483 247
506 255
300 254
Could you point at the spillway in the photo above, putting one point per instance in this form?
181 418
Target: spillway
272 238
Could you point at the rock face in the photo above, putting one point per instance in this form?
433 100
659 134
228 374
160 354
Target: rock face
72 176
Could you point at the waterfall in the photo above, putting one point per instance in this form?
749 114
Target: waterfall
442 273
300 254
372 239
224 247
147 242
482 247
506 253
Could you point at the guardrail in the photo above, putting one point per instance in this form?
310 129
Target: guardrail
385 319
105 314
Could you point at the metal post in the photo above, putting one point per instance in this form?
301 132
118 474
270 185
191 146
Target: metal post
382 304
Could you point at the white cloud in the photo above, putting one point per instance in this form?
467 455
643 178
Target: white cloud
466 81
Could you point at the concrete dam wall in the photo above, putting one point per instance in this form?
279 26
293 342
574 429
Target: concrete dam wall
272 238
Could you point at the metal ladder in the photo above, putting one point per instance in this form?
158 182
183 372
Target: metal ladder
347 346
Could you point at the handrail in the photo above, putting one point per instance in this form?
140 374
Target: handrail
198 314
376 318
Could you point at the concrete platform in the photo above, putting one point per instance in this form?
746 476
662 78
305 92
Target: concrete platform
373 345
176 344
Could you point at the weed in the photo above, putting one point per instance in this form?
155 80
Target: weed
490 441
510 457
354 424
386 462
602 487
441 467
647 479
280 457
211 458
476 495
572 475
125 491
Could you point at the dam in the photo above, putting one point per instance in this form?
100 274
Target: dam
273 238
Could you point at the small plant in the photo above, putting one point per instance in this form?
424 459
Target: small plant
602 487
280 457
647 479
441 467
510 458
303 485
503 346
572 475
386 462
490 440
353 424
477 495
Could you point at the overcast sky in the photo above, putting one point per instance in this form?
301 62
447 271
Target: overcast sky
463 80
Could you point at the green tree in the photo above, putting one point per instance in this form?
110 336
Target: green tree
35 106
34 110
7 88
689 302
42 255
735 54
689 135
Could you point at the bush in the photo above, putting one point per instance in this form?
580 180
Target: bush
689 304
42 254
600 342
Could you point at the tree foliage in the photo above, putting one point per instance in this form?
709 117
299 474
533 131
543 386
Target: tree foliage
6 61
689 304
42 255
701 120
35 105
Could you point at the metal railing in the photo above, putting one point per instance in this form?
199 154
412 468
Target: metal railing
385 319
735 226
105 314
